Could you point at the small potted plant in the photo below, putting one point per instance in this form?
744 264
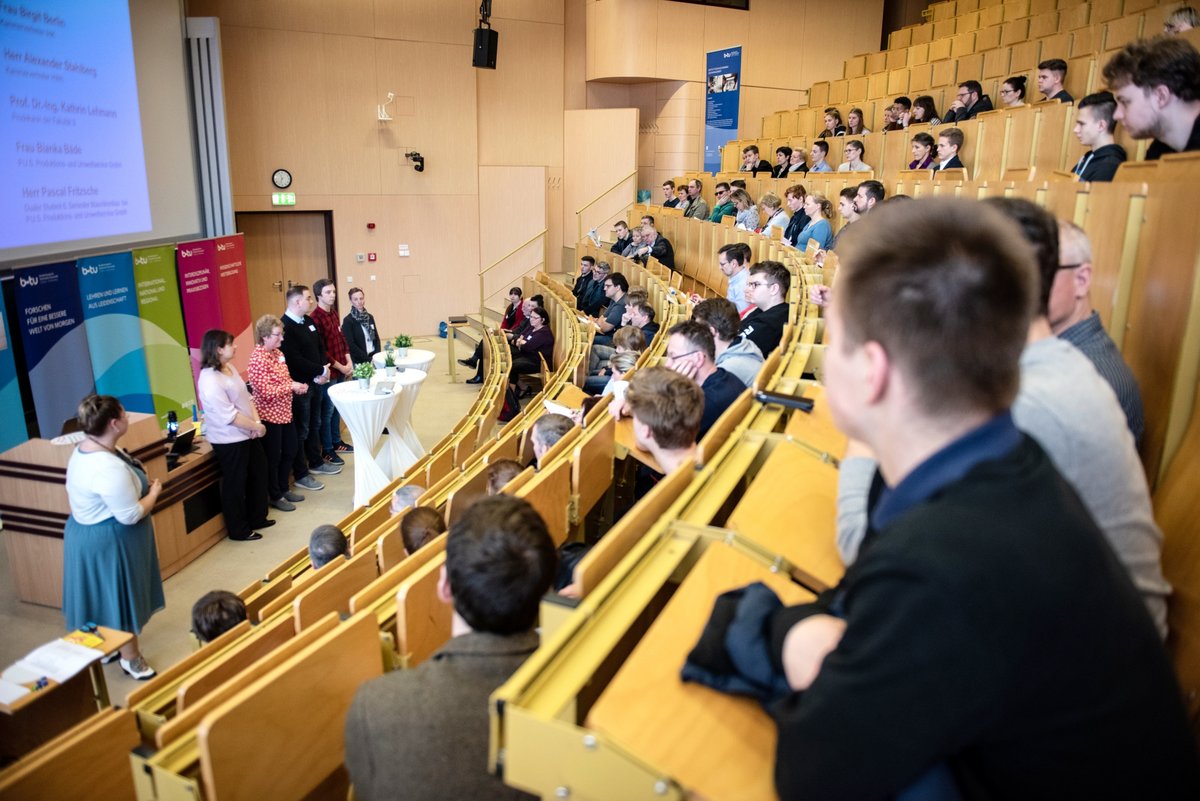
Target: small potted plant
363 372
389 363
402 342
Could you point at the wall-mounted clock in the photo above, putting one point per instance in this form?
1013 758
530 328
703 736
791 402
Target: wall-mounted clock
281 178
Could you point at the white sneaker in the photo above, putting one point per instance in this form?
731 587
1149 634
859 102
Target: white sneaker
138 668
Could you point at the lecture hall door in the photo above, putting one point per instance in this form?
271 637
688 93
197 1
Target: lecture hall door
284 248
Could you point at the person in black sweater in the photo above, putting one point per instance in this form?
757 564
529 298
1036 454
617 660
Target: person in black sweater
986 641
359 329
767 289
1094 125
305 354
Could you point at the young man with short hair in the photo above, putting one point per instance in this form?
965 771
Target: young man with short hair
216 613
325 544
424 732
734 353
1156 83
1050 76
1094 126
732 259
820 149
949 142
624 238
666 408
767 289
987 640
724 206
670 200
615 287
419 527
794 198
338 354
867 195
691 352
305 354
584 279
752 163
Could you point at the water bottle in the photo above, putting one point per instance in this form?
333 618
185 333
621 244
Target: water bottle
172 425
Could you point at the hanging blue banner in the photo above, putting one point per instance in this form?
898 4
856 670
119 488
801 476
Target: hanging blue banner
13 431
723 90
56 349
114 330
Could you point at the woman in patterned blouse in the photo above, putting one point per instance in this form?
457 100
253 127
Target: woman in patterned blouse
273 388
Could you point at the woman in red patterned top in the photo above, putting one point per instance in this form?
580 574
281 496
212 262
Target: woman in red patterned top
273 388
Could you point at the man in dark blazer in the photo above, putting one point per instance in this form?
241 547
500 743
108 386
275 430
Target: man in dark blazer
358 327
968 103
425 731
949 141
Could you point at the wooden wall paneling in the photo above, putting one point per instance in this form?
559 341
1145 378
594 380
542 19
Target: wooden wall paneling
987 38
346 17
430 21
1014 31
443 124
303 248
677 56
520 103
601 147
1159 301
756 103
621 37
524 10
505 224
350 128
575 83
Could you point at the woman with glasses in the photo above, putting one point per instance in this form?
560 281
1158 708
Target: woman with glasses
539 340
1012 92
772 207
819 211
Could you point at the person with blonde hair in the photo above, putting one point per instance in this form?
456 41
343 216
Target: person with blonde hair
747 211
1180 20
819 211
772 208
273 389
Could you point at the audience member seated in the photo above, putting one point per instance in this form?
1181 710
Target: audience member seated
619 366
627 339
1180 20
216 613
583 280
526 349
592 298
795 196
752 162
1073 319
924 111
500 472
768 289
624 238
667 409
772 209
656 245
796 162
614 290
420 526
1012 92
1051 74
635 244
867 195
833 124
949 142
852 155
889 121
846 208
747 211
548 429
724 203
733 260
819 211
1094 126
514 315
424 732
969 103
325 544
670 196
922 150
1157 86
820 149
901 113
405 497
854 123
734 353
641 315
697 205
692 352
681 199
919 657
783 157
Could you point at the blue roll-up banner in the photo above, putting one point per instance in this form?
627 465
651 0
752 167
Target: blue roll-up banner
56 350
723 90
114 330
11 411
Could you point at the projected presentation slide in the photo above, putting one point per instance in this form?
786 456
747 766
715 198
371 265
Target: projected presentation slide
70 132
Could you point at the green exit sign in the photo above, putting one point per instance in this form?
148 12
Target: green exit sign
283 198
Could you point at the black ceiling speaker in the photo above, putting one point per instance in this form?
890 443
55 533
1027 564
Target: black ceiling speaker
485 48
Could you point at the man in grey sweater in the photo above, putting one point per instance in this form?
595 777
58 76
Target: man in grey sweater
1074 415
736 354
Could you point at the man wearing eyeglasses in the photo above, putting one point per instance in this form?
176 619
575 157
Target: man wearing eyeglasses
723 205
968 103
768 290
692 352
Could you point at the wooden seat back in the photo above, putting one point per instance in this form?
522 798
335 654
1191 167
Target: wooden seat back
549 492
422 619
331 593
250 648
88 761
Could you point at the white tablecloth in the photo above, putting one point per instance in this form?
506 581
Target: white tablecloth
403 446
416 358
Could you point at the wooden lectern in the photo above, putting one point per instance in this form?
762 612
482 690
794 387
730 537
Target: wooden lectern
34 508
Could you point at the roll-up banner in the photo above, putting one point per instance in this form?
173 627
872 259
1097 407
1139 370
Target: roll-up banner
165 342
114 330
50 317
235 297
11 411
200 293
723 80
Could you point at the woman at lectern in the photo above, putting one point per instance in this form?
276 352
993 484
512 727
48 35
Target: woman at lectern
232 427
110 562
